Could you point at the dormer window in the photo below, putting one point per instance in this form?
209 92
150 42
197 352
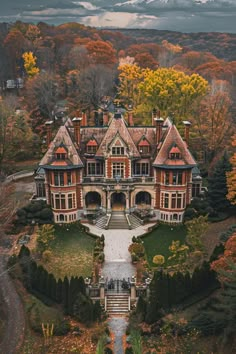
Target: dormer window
61 153
144 146
91 147
175 153
118 150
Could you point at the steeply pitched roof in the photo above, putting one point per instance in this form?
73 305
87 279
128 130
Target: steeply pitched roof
62 137
173 138
117 125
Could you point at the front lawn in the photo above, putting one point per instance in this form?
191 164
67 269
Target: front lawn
72 252
159 240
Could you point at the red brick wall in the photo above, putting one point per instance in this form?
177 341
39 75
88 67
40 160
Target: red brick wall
125 160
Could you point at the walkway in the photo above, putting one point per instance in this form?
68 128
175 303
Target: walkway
117 257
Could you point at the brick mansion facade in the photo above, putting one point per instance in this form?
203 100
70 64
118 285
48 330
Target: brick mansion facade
118 166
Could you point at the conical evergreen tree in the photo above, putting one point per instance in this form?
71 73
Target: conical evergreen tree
59 291
217 185
65 294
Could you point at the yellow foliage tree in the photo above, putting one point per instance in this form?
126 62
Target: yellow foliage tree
130 77
171 90
231 177
30 64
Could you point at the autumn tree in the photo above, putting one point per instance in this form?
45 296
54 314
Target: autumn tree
30 64
7 109
101 52
8 205
172 91
179 254
130 76
95 82
212 120
42 93
45 236
195 231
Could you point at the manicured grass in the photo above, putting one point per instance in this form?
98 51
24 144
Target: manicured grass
72 252
159 240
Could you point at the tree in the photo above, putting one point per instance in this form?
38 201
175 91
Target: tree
217 185
8 206
136 342
101 52
159 260
30 64
130 76
231 176
212 120
95 82
223 262
179 254
45 236
172 91
195 231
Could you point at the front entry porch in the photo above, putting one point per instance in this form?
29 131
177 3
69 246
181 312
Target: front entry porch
118 201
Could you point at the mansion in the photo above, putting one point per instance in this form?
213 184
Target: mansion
89 170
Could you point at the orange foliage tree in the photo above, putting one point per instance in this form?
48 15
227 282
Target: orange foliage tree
101 52
229 256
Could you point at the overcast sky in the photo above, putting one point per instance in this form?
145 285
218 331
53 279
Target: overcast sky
175 15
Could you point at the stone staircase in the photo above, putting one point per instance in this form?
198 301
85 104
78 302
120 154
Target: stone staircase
101 221
118 221
135 222
117 304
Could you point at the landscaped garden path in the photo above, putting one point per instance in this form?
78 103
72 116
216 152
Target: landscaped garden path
117 263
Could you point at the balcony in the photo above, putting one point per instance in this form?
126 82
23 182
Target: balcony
113 181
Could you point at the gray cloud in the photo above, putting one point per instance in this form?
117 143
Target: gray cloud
179 15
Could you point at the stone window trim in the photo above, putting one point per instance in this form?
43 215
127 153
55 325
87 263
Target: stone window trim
173 200
63 201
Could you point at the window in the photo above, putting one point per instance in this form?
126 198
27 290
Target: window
178 200
69 179
60 156
41 189
118 150
173 200
167 177
59 178
63 201
141 169
144 149
166 200
118 169
95 169
175 156
177 178
91 149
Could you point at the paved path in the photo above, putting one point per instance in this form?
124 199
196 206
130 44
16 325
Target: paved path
117 257
15 324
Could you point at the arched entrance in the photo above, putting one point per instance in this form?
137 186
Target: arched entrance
143 199
118 201
93 200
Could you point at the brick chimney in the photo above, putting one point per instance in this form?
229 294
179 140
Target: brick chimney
155 114
76 122
187 125
48 125
105 117
130 117
84 119
158 123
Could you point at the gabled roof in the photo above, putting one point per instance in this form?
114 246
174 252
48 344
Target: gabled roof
117 126
143 142
62 138
173 138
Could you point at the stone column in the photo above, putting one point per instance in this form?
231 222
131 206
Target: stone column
102 288
133 288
